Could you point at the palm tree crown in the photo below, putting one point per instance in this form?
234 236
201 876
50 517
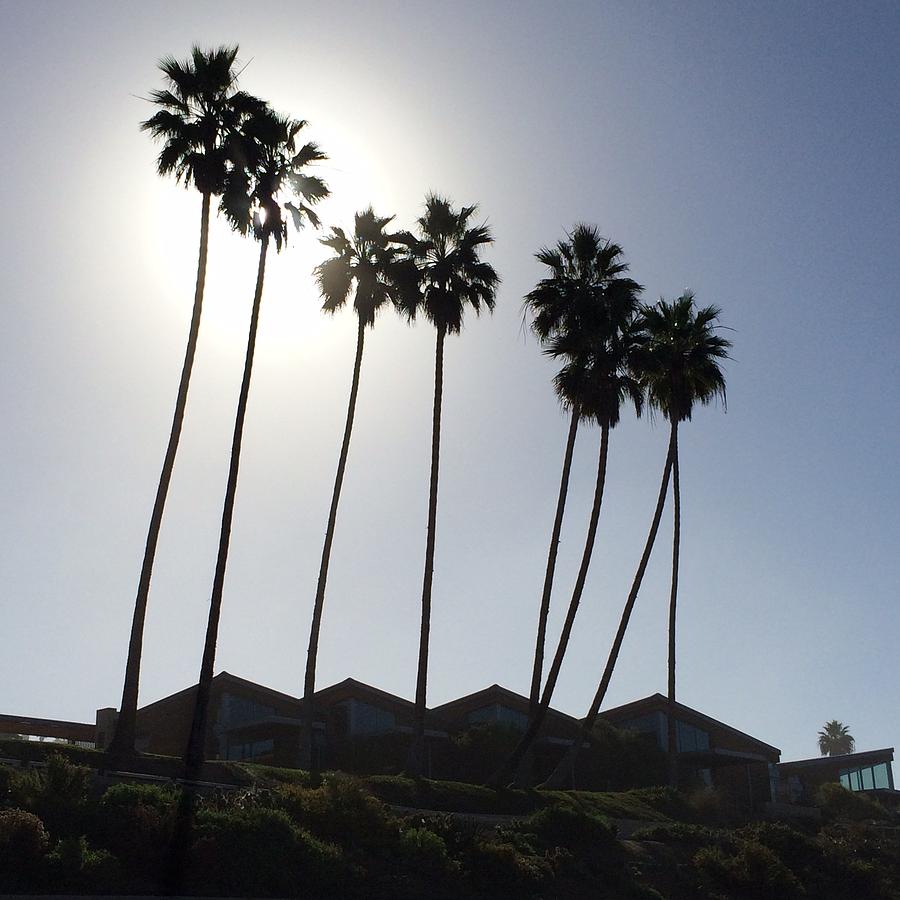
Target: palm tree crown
369 258
680 365
835 739
569 301
200 117
267 166
450 273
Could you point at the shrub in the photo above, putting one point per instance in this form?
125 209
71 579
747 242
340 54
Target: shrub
424 852
500 869
838 804
135 822
682 833
75 866
260 852
23 841
591 839
341 811
751 871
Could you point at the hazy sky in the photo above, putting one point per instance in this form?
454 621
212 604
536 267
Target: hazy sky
747 151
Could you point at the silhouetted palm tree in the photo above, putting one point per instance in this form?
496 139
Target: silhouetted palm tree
597 379
252 201
680 368
369 260
835 739
567 304
200 112
450 276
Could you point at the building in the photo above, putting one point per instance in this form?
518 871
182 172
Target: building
869 771
710 752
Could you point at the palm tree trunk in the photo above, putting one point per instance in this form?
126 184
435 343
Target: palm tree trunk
309 685
543 615
512 764
122 744
563 774
672 743
194 753
416 761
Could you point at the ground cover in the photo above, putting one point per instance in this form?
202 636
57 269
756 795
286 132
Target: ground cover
285 833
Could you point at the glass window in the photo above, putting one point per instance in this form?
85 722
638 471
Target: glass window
499 714
690 738
845 780
880 773
868 781
368 719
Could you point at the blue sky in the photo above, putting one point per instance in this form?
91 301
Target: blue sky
745 151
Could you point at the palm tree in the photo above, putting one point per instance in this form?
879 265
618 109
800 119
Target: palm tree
200 112
564 305
449 276
370 261
252 201
680 368
597 380
835 739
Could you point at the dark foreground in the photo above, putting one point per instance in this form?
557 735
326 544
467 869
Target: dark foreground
64 830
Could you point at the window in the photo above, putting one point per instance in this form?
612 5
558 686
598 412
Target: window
251 749
357 717
690 738
498 714
866 778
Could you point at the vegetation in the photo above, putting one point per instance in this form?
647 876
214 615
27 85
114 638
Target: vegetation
679 368
370 261
199 120
444 275
588 314
835 739
63 830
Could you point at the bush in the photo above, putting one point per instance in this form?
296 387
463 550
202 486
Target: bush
23 843
500 869
840 805
682 833
424 852
751 871
342 811
260 852
135 822
589 838
75 866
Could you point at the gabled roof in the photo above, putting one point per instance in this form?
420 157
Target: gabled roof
844 760
225 678
353 688
493 694
659 702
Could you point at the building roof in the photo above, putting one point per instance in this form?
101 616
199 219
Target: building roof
495 693
659 702
226 678
351 687
843 760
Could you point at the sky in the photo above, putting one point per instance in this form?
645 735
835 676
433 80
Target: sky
745 151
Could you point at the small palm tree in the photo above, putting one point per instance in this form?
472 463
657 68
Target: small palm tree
835 739
597 379
449 275
200 112
679 367
253 201
370 261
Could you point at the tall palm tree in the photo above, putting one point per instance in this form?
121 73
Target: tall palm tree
566 305
450 275
253 201
680 368
598 380
200 112
369 259
835 739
